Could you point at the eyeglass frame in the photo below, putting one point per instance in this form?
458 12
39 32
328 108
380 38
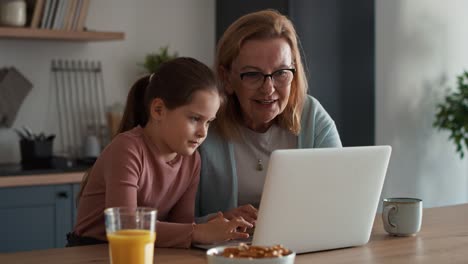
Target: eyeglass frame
242 74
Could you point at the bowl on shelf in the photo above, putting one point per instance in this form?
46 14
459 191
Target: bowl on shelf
245 254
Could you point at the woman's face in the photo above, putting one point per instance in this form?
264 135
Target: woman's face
261 98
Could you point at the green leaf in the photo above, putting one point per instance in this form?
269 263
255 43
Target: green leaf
452 114
154 60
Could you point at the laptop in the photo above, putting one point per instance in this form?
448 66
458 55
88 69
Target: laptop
320 199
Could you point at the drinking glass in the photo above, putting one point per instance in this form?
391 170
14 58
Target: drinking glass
131 233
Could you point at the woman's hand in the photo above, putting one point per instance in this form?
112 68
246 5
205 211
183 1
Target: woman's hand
248 212
220 229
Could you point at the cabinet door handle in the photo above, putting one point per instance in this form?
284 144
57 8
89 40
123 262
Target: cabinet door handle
62 195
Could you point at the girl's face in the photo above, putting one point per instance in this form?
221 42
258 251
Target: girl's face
261 99
183 129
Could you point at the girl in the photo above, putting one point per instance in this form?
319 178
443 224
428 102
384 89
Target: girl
153 161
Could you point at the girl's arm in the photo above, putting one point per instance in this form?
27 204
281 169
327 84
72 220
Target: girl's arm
123 167
179 231
217 229
184 210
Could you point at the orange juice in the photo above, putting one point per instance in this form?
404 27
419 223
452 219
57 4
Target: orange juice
131 246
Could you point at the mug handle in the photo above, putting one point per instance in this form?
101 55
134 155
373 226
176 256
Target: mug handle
386 216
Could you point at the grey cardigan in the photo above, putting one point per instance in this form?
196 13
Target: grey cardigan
217 190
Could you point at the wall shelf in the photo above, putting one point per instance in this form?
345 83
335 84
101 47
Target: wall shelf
47 34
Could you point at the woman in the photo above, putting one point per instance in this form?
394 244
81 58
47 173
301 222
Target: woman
259 65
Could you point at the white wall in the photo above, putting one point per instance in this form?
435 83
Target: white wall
187 26
421 45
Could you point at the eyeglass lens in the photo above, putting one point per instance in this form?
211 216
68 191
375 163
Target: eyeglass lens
280 78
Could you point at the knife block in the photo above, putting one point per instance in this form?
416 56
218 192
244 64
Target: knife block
36 154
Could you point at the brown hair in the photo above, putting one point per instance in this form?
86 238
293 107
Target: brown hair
264 24
175 83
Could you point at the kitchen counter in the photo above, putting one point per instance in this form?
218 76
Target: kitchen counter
41 179
12 175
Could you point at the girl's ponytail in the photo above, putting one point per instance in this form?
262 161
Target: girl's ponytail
135 112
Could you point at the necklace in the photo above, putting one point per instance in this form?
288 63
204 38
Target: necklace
259 143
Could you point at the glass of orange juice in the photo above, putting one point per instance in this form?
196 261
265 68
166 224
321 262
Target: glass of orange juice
131 233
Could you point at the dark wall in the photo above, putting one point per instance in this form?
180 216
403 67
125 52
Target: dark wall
317 24
228 11
357 72
337 38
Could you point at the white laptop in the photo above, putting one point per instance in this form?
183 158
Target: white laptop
321 199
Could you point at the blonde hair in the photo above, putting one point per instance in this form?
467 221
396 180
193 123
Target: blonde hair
266 24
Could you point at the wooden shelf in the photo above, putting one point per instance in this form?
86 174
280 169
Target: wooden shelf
47 34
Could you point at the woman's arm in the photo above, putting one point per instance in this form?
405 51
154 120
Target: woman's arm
328 136
318 130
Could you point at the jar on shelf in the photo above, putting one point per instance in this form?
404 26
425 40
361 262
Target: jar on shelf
13 13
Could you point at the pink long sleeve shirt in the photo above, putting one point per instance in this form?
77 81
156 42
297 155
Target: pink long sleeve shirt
131 172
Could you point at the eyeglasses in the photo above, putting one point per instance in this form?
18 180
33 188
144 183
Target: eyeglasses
255 79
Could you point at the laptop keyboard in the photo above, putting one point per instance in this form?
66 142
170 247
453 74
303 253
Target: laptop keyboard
230 243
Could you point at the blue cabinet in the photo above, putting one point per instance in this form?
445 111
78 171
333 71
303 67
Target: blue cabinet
75 191
36 217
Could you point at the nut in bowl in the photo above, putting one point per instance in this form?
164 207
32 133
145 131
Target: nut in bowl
250 255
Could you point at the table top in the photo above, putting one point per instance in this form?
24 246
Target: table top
443 239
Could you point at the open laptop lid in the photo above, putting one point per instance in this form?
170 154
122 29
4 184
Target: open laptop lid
319 199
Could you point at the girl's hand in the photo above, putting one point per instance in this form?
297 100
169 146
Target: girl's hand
219 229
247 212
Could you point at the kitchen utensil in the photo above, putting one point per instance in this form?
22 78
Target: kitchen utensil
14 87
80 100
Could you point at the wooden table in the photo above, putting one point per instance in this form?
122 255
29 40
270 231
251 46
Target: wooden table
443 239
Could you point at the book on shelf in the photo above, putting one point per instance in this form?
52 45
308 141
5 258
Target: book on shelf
60 13
45 13
69 15
37 13
82 17
49 15
54 13
76 14
67 22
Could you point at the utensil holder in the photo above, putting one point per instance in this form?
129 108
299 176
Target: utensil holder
36 154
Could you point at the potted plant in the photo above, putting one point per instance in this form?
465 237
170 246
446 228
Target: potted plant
154 60
452 114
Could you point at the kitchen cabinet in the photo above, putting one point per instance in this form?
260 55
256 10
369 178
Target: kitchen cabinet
75 191
36 217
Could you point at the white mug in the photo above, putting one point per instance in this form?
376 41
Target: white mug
91 147
13 13
402 216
